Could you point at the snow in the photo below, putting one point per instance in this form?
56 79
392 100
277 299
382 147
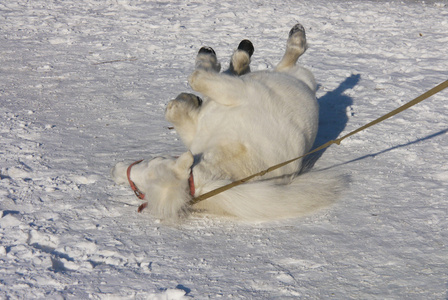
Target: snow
84 85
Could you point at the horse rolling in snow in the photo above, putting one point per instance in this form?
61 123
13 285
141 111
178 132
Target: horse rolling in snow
244 123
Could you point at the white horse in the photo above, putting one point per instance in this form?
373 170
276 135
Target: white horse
244 123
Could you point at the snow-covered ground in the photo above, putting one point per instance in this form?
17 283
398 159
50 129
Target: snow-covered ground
84 84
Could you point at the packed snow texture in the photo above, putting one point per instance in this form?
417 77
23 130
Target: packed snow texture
84 85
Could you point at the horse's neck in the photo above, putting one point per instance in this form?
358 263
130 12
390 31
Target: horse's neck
206 176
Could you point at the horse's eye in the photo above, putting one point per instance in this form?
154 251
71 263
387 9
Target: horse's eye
199 101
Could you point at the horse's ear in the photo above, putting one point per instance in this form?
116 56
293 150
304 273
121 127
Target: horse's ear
184 163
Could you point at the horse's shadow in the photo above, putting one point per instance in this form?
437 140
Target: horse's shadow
333 117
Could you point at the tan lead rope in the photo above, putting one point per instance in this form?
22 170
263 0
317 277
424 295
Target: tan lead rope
419 99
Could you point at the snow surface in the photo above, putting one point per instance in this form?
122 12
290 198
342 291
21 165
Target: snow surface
84 85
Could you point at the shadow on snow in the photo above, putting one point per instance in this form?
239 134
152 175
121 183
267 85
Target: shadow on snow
428 137
333 119
332 116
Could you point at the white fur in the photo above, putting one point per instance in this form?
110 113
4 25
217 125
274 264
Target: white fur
244 125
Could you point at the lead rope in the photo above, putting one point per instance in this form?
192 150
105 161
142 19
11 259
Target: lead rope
338 141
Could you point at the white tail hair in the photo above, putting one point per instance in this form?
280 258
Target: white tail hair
267 200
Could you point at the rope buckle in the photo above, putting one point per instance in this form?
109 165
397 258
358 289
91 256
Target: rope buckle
139 194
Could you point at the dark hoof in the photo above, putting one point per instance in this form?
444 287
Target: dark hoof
246 46
207 50
298 27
